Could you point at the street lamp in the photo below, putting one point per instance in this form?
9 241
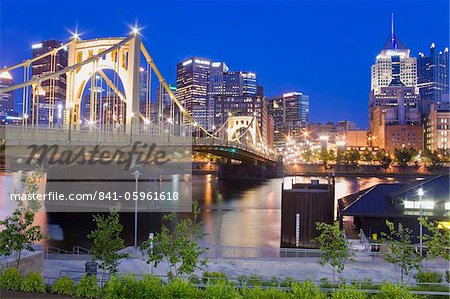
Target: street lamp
420 192
70 107
136 174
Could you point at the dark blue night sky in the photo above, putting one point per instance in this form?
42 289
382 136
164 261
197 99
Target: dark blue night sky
322 48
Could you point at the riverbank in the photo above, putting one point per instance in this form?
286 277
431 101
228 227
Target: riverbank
305 169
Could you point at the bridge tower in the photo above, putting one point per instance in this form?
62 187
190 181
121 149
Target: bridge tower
122 55
238 126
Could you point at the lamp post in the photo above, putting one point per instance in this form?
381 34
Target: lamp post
131 126
136 174
70 106
420 192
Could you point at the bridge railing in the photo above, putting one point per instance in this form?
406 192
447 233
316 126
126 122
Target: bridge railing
25 135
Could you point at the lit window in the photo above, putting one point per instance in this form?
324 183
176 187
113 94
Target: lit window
426 204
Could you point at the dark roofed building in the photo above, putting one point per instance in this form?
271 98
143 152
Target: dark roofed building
369 209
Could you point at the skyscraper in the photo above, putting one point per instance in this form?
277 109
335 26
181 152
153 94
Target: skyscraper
201 82
50 100
432 81
393 66
394 102
290 112
192 87
6 99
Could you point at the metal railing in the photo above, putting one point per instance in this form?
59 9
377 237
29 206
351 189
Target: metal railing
76 251
260 253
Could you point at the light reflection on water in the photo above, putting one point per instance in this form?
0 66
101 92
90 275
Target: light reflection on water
234 213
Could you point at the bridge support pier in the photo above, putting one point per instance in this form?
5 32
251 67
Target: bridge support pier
249 171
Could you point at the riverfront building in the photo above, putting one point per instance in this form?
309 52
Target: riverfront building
368 209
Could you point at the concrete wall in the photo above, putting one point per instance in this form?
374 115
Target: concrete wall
29 262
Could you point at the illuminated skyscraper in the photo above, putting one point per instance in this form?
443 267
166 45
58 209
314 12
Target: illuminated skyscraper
290 113
51 100
192 87
433 80
393 66
394 103
6 99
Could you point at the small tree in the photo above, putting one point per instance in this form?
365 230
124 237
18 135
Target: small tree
307 155
340 156
179 247
401 251
331 155
352 157
106 241
323 156
333 246
367 156
404 155
18 232
383 158
436 158
437 240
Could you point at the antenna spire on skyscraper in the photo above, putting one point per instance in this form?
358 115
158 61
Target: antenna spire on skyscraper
393 38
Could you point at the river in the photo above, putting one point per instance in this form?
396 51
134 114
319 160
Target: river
233 213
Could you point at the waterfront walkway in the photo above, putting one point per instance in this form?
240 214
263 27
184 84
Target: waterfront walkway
298 268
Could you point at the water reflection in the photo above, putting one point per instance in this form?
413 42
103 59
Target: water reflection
234 213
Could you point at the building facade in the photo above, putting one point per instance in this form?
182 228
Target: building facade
290 113
50 97
192 87
394 102
433 80
6 99
242 105
437 130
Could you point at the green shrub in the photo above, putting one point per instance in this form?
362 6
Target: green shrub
178 288
88 288
348 292
428 277
254 280
221 290
390 291
447 276
288 281
258 293
274 281
242 280
122 287
306 289
63 286
365 284
33 282
11 279
127 286
195 279
214 277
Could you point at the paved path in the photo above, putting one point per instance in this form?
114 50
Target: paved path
299 268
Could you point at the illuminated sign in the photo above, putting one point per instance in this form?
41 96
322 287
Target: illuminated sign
201 61
187 62
36 46
290 94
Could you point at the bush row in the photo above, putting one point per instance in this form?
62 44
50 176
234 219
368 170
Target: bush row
148 286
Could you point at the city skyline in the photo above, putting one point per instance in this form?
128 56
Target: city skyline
280 67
